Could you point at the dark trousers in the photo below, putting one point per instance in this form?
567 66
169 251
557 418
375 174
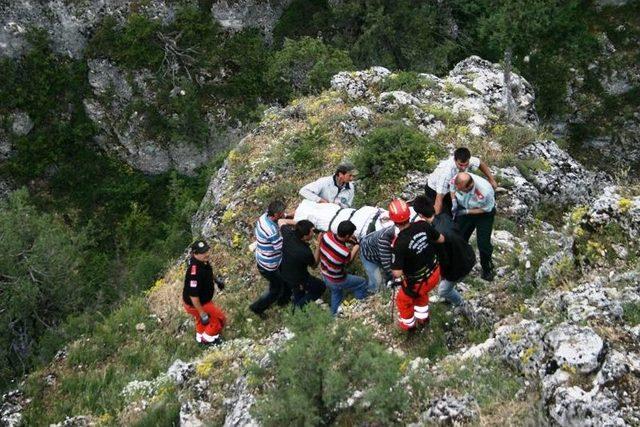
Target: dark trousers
447 204
278 291
483 224
310 290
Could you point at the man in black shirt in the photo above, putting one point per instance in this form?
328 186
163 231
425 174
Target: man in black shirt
197 295
296 258
414 266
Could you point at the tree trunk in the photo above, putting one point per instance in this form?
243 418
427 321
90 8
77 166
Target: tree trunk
508 96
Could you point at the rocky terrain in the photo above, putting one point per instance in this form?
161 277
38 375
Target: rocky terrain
553 341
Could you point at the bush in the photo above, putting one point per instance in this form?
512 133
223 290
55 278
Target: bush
319 369
40 264
390 151
304 66
404 80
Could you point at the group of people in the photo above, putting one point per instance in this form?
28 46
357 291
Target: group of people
416 253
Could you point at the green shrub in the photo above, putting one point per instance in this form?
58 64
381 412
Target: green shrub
631 313
306 151
322 366
403 80
40 265
390 151
304 66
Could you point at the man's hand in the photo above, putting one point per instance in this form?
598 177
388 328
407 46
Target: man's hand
323 200
462 212
204 318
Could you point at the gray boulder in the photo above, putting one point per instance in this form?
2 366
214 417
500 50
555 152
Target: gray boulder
21 123
591 300
610 206
452 410
238 14
562 180
357 84
519 343
575 347
179 372
522 197
574 407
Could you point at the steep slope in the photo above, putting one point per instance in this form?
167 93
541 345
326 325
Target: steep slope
552 340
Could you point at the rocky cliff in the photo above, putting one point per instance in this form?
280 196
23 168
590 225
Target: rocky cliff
553 340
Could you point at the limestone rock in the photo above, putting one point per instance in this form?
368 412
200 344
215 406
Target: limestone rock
77 421
451 410
11 407
6 147
576 407
562 180
239 404
180 371
610 206
238 14
21 123
521 198
357 84
615 366
519 343
575 347
591 300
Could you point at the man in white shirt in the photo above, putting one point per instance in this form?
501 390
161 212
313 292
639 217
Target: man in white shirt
337 188
439 186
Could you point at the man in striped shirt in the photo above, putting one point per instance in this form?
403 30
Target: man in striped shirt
269 256
335 255
375 254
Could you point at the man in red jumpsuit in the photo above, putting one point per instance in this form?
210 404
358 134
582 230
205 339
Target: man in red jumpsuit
197 295
414 265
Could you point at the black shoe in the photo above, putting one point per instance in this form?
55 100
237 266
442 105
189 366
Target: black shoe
260 314
218 341
488 275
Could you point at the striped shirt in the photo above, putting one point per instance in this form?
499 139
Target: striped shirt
334 256
376 247
269 244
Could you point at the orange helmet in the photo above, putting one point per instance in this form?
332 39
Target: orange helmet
399 211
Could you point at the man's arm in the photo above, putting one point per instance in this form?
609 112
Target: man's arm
354 252
312 190
286 221
487 172
316 253
437 205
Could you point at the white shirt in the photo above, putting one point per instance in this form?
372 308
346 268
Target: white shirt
439 180
327 188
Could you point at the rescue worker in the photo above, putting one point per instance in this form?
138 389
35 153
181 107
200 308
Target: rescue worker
375 254
337 188
455 256
269 256
335 255
414 267
198 292
297 257
474 208
438 186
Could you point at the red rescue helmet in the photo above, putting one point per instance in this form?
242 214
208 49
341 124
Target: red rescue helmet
399 211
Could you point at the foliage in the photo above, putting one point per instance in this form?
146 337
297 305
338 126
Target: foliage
631 313
42 282
392 150
306 150
404 80
322 366
304 66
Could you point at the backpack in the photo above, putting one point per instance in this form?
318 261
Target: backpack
456 255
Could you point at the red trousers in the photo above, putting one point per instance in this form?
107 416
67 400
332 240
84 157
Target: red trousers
217 321
416 309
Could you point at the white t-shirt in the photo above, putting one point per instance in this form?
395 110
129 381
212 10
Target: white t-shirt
439 180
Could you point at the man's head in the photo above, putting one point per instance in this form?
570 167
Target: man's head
424 206
304 230
461 157
345 172
346 230
276 209
463 182
200 250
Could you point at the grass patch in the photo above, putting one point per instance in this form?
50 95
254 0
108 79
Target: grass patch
406 81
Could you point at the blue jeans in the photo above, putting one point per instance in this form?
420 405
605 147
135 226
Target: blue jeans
374 274
447 290
354 284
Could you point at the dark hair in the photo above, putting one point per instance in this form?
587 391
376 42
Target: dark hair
346 228
275 207
345 168
424 206
462 154
303 228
